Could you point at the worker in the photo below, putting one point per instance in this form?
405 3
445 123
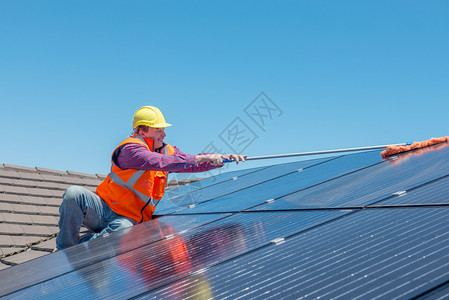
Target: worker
136 183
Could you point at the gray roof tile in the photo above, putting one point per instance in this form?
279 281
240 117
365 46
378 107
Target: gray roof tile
6 207
15 189
15 218
10 197
26 209
6 241
4 180
49 245
23 256
81 174
50 171
44 220
23 241
3 266
35 200
48 210
29 175
14 167
10 250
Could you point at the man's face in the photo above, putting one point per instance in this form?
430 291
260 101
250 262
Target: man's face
157 134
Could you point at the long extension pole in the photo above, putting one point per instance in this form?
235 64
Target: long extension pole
320 152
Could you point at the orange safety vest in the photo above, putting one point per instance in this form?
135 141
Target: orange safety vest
134 193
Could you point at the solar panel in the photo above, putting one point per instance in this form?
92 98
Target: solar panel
158 262
435 192
207 182
369 185
231 184
288 183
97 250
383 253
348 227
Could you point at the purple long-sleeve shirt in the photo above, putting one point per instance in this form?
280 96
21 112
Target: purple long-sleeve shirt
138 157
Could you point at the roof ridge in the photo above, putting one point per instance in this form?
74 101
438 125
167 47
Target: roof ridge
41 170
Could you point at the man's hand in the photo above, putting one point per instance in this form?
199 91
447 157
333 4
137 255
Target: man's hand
213 159
235 157
217 159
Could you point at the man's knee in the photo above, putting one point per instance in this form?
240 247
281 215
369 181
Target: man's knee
72 196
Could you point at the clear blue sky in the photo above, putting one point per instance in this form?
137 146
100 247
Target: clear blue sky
338 73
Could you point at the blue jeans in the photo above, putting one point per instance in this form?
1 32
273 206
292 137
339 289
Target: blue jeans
83 207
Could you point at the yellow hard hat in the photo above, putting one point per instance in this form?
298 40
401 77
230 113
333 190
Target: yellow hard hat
149 116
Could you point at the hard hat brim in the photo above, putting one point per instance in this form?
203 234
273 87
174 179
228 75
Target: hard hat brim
161 125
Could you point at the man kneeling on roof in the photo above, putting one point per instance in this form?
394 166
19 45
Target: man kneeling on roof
130 193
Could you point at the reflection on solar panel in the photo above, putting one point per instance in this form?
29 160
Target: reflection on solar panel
347 227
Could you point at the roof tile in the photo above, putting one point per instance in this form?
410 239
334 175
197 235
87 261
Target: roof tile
50 171
8 173
41 192
3 266
24 256
44 220
10 250
45 246
19 168
34 200
48 210
81 174
11 229
15 189
16 218
4 180
22 208
22 240
11 197
6 240
6 207
54 201
39 230
32 176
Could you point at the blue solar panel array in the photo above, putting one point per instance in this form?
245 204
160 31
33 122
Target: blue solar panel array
347 227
